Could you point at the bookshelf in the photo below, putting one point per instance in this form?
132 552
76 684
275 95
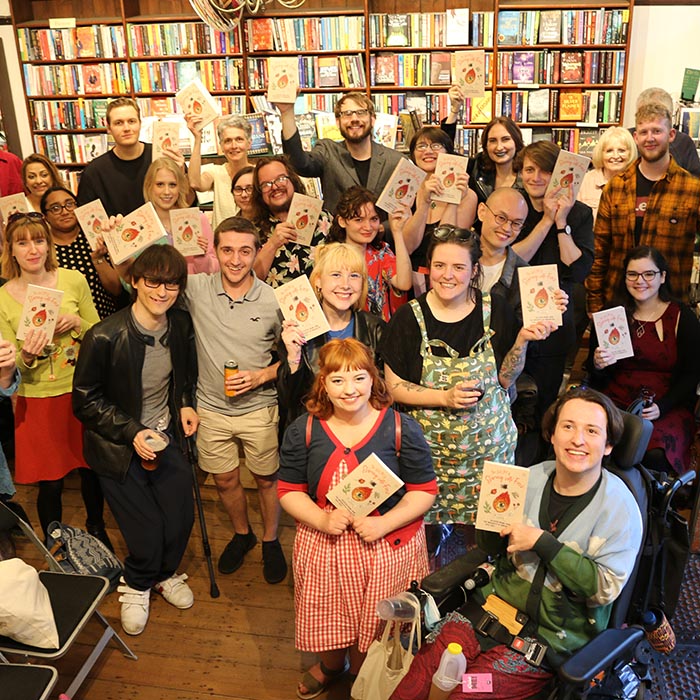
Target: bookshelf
556 68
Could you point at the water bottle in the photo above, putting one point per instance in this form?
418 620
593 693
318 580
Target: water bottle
453 665
480 577
401 607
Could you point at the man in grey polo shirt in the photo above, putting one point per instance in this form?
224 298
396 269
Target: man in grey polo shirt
236 317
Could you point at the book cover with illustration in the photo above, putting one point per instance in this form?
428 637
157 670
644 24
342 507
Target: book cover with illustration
570 106
385 69
186 229
327 126
613 332
306 126
402 187
328 72
194 99
283 77
468 72
13 204
481 109
502 496
572 66
385 128
524 67
40 310
365 488
440 68
538 106
137 231
92 79
93 220
550 27
447 167
303 215
164 134
508 27
538 284
299 303
568 172
398 32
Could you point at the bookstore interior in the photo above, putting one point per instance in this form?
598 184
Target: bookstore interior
559 70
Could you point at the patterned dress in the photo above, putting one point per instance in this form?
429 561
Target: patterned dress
381 267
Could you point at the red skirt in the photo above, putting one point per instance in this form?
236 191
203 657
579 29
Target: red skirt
48 439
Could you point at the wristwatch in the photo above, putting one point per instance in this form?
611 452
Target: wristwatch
566 230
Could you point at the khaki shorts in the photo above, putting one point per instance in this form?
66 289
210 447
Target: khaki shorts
220 439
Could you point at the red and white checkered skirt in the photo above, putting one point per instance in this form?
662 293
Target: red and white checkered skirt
339 580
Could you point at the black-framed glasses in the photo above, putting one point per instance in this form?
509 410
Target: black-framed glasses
647 275
515 226
279 181
243 190
70 205
348 113
448 232
31 215
154 283
424 146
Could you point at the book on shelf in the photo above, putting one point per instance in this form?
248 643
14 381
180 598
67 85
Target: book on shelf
570 106
260 33
440 68
186 229
92 79
501 496
469 72
328 72
195 100
397 30
385 128
306 126
186 72
298 303
385 69
587 140
508 27
457 27
40 311
524 67
259 141
550 27
690 122
571 66
538 106
327 126
481 109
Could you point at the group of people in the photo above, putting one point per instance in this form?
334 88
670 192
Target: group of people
423 308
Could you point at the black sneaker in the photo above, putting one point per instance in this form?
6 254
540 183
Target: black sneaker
232 557
274 563
101 534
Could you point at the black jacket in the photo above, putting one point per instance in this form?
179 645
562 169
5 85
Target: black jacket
107 390
293 388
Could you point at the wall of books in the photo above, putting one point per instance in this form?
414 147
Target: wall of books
558 70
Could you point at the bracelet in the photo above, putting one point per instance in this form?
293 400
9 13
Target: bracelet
296 361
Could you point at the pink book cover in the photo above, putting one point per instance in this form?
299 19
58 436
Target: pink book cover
186 228
165 135
13 204
538 284
283 82
447 168
502 496
299 303
93 219
468 72
303 215
196 100
402 187
136 232
613 332
568 172
40 310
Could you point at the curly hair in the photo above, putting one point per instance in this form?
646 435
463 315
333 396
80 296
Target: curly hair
349 206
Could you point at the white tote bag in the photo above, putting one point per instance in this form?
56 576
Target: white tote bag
386 663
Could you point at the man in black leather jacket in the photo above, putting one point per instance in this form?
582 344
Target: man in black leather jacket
136 372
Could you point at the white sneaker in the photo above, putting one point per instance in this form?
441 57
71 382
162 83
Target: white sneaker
135 606
176 591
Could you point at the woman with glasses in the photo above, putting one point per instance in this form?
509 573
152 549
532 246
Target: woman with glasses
73 251
451 356
242 190
166 188
48 438
38 175
425 147
664 371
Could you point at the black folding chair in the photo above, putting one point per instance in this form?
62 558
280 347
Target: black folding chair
25 682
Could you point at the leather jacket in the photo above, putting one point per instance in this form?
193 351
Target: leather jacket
107 389
293 388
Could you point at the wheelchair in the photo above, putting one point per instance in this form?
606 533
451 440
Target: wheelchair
616 663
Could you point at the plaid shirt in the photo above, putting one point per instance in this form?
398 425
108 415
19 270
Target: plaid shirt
670 224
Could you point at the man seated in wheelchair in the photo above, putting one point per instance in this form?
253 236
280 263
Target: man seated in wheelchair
556 574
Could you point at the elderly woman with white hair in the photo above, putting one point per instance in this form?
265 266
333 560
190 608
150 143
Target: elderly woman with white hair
235 136
613 154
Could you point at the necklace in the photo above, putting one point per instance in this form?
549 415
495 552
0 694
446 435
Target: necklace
641 327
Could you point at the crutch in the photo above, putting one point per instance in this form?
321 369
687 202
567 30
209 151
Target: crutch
214 590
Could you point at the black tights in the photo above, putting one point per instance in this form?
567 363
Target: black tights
50 507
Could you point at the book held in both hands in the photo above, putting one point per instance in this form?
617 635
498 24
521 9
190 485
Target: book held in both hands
447 168
568 173
502 496
40 311
365 488
402 187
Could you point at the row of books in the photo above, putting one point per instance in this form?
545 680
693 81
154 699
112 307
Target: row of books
530 27
419 30
76 79
218 75
71 178
543 105
581 141
314 72
342 33
48 115
416 69
468 141
180 38
95 41
550 67
432 107
71 148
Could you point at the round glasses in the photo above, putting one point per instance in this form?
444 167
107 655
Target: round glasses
423 146
243 190
515 226
279 181
70 205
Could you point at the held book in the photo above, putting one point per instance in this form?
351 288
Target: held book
538 284
568 172
40 310
93 220
402 187
165 134
194 99
365 488
283 79
303 215
136 232
186 229
299 303
447 167
613 332
468 72
13 204
502 496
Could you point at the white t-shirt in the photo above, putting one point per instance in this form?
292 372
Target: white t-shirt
492 273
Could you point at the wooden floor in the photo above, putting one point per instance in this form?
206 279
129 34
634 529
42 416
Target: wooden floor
238 646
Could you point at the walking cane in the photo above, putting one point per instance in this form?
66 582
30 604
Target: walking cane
214 590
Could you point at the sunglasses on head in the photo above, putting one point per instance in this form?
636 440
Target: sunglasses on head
448 232
18 215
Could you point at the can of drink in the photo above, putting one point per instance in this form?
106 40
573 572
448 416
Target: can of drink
230 368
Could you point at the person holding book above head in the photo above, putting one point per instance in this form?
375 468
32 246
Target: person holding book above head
339 279
165 186
569 559
664 371
234 134
281 259
451 356
345 562
613 153
38 175
558 231
653 202
73 251
356 160
425 147
357 223
48 439
133 391
242 190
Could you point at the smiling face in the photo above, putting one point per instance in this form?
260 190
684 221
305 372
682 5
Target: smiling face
152 298
451 272
500 146
535 180
235 144
236 254
653 138
277 197
340 289
349 391
355 129
124 126
243 191
640 289
37 179
505 204
164 192
615 157
30 253
425 154
362 228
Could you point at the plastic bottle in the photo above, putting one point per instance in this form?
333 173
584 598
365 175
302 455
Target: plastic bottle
401 607
480 577
452 666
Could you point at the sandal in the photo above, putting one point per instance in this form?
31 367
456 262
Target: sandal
315 687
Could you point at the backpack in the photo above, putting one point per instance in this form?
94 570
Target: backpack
78 552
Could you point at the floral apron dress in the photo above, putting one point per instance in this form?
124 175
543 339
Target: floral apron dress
460 440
